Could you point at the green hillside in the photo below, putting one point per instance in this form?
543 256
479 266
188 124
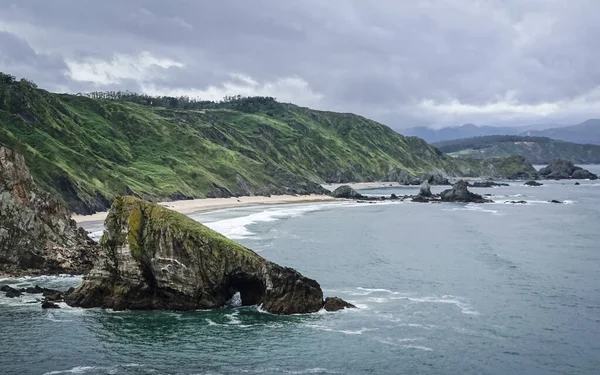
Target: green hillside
537 150
89 150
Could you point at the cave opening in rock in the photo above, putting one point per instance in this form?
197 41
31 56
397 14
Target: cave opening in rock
250 288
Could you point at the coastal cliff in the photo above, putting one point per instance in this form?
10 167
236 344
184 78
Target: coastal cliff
37 234
155 258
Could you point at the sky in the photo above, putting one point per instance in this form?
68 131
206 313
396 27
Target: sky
401 62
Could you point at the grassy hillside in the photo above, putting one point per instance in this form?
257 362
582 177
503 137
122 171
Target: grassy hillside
89 150
537 150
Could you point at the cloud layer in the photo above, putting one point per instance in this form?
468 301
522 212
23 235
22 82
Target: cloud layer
427 62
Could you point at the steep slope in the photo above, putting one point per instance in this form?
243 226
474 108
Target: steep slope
37 234
588 132
90 150
537 150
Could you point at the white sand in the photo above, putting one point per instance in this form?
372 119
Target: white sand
209 204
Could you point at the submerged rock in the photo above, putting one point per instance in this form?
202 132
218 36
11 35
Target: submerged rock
11 292
460 193
37 234
486 184
154 258
345 191
563 169
49 305
336 304
532 183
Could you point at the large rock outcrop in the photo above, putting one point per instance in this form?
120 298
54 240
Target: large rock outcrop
155 258
37 234
564 169
345 191
460 193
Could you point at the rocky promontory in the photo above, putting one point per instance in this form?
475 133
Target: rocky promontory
562 169
155 258
37 235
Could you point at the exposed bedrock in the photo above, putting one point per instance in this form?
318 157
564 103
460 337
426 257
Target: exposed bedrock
155 258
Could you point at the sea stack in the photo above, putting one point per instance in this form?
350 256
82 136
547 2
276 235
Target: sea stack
155 258
37 235
460 193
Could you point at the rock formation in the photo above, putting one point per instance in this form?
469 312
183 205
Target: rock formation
563 169
425 190
460 193
346 191
486 184
37 234
532 183
154 258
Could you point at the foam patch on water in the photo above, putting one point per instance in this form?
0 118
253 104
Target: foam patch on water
392 342
464 307
86 369
237 227
277 370
473 208
96 236
359 331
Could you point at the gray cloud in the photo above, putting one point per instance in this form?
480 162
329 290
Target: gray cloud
440 62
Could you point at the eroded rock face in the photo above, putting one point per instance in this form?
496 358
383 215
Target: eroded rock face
37 234
460 193
154 258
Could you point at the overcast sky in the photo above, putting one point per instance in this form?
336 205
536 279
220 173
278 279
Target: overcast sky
402 62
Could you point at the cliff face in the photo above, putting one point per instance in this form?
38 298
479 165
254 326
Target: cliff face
37 234
154 258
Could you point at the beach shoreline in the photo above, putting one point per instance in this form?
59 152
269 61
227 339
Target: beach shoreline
192 206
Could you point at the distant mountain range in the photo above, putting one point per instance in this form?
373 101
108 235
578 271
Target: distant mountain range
587 132
537 150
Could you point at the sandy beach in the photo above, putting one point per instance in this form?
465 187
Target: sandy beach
209 204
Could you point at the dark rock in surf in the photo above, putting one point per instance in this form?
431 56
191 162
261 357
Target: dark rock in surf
532 183
11 292
336 304
555 201
460 193
49 305
486 184
577 183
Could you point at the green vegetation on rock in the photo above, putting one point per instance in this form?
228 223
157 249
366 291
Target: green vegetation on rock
537 150
155 258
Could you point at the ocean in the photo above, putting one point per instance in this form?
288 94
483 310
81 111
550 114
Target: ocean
441 289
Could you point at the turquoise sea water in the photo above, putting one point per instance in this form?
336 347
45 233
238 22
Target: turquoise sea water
441 289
